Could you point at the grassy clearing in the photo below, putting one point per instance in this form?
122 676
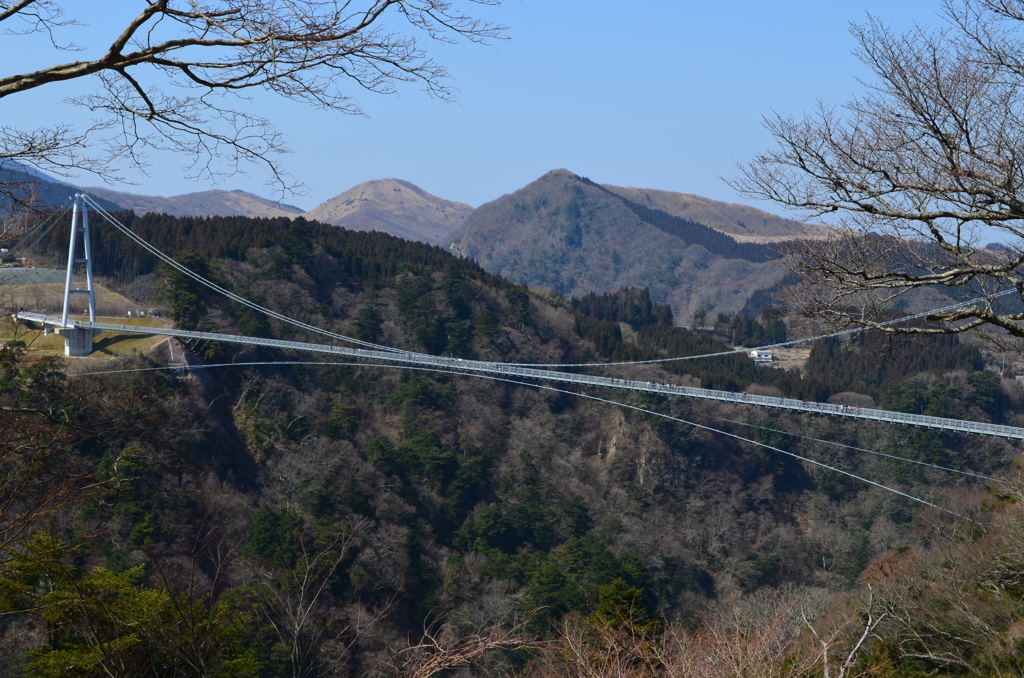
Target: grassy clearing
48 297
105 346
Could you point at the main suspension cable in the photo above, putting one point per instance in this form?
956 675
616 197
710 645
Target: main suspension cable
231 295
845 446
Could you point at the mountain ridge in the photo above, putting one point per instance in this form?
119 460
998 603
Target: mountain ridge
368 206
564 232
200 203
725 217
419 215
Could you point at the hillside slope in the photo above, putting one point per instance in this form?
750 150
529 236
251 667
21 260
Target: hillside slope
742 222
567 233
199 204
393 206
231 496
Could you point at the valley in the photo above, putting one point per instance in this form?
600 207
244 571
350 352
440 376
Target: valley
575 429
451 499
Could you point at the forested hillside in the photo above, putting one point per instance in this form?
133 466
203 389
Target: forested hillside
742 222
314 519
692 233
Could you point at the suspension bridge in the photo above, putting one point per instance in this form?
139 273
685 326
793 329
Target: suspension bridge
86 328
78 336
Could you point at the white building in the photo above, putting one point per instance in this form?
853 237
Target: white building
761 356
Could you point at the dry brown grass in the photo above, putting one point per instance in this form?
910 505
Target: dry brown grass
50 297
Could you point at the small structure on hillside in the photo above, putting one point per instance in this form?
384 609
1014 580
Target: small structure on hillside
760 356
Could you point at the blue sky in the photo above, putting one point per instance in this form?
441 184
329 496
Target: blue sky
664 94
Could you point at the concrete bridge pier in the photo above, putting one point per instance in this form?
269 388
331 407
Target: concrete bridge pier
77 340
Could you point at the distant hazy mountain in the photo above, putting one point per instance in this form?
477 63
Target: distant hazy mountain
567 233
17 166
396 207
199 204
389 205
55 192
34 187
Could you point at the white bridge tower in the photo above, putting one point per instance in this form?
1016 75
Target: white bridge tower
78 340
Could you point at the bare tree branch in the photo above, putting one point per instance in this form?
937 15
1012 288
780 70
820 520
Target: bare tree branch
919 173
444 648
177 76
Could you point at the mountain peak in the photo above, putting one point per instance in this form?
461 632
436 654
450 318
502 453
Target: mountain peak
565 232
394 206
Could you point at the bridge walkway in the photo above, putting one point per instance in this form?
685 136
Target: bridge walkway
513 370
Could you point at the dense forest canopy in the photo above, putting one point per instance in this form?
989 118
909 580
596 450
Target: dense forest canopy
364 257
408 512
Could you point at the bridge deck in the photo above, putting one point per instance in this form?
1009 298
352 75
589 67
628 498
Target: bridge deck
513 370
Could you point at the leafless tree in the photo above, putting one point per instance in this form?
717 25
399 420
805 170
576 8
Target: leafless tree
18 216
295 604
446 648
837 641
597 648
758 635
918 173
178 73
